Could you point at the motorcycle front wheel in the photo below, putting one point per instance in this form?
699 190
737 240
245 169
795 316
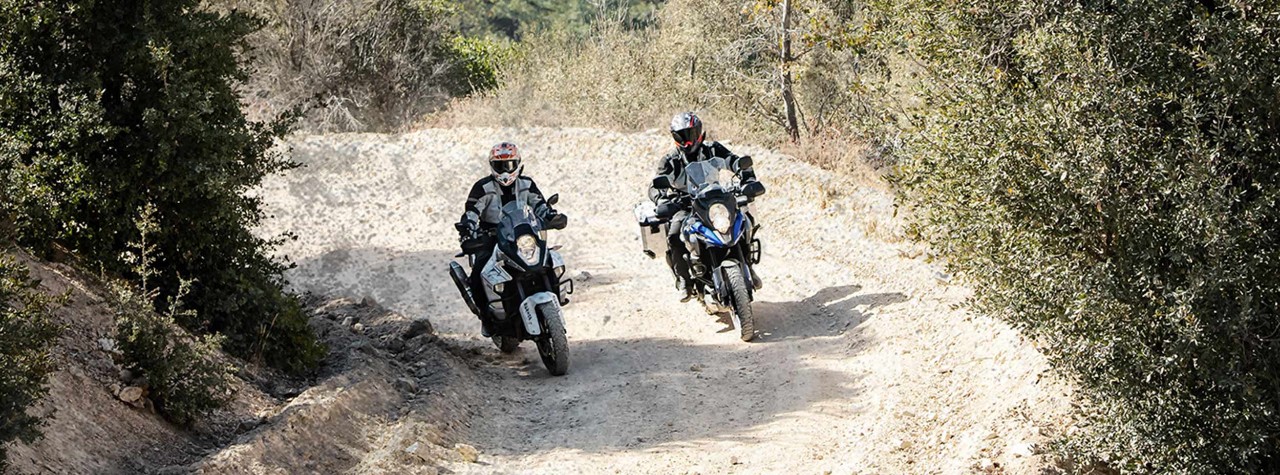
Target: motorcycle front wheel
554 346
740 303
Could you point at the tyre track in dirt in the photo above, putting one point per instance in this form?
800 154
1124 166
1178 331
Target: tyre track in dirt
863 364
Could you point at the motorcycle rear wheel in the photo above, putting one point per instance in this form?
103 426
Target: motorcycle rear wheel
506 344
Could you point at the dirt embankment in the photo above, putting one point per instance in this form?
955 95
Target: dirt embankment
389 384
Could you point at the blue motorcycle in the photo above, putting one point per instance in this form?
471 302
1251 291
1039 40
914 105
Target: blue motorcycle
719 234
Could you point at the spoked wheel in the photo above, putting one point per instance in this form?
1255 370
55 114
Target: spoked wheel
740 303
506 344
554 346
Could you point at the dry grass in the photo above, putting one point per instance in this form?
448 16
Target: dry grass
707 56
350 65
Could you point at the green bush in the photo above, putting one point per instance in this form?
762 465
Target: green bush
182 372
27 334
1106 175
105 106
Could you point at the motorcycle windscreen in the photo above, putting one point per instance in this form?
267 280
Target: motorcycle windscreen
704 173
517 219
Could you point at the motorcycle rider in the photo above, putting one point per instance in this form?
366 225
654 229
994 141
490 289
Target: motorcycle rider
691 146
480 218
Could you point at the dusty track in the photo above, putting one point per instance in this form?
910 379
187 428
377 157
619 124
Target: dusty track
863 363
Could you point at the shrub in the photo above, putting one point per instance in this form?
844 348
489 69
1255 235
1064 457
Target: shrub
183 373
27 334
1106 176
715 57
105 106
362 65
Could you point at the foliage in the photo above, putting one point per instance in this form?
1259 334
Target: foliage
105 106
362 65
183 372
715 57
27 334
1106 176
481 59
519 19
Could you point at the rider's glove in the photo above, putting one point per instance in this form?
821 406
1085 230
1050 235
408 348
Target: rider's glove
556 220
466 229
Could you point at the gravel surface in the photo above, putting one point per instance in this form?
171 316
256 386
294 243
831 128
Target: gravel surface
864 362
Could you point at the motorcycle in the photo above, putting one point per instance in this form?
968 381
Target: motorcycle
524 285
719 235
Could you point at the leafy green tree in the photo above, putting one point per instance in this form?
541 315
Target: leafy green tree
1106 175
106 106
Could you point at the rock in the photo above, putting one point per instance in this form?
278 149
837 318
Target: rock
358 328
416 328
249 424
902 444
986 465
126 375
584 276
469 454
368 302
394 345
347 322
734 460
133 395
107 344
407 385
1022 450
695 368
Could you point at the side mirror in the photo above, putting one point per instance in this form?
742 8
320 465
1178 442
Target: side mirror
745 162
753 189
553 199
661 183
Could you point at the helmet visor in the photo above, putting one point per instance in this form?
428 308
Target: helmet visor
504 166
687 138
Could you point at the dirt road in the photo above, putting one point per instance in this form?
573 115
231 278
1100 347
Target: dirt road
863 363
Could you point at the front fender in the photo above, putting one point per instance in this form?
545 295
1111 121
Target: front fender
529 311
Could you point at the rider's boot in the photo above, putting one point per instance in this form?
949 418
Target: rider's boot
487 328
689 291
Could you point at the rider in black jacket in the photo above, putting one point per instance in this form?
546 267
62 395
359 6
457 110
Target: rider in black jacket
484 210
691 146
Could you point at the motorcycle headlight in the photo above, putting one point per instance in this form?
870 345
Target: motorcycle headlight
720 220
527 247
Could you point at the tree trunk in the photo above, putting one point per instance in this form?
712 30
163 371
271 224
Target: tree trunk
788 97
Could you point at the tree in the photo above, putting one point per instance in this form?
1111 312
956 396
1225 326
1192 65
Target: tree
1105 176
108 106
27 333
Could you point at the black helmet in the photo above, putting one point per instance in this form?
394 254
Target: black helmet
686 128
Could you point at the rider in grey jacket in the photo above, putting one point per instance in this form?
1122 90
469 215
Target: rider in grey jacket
691 146
484 210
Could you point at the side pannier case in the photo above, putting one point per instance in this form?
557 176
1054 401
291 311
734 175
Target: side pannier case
653 230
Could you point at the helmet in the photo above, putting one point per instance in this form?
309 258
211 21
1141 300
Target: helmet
504 160
686 128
